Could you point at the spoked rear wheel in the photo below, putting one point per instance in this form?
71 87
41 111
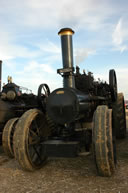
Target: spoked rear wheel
119 117
113 84
7 137
103 142
31 130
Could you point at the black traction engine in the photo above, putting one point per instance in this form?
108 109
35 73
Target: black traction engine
82 116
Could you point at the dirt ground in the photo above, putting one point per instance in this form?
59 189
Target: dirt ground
76 175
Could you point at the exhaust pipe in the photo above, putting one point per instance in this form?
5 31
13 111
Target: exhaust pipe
0 74
67 57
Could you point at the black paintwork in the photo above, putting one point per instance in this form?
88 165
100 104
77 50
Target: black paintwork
16 107
72 107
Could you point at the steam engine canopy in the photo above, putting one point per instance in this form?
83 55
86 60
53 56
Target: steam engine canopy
62 105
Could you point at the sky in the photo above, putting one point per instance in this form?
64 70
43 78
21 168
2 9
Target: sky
30 46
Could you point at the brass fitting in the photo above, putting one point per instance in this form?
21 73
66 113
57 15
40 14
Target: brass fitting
66 31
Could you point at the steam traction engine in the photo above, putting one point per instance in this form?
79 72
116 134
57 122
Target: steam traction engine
13 103
81 115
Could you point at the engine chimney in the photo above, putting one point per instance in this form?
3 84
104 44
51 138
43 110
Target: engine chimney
67 57
0 73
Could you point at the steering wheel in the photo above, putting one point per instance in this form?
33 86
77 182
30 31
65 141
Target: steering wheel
113 84
43 93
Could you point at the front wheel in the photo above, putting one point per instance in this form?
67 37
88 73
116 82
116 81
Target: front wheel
7 137
103 144
31 130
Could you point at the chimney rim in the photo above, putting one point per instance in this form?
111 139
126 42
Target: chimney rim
66 31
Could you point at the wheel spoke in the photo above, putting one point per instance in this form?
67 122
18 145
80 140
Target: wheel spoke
32 133
33 141
34 154
41 127
36 127
36 151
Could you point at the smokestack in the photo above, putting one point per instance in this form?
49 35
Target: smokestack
67 57
0 73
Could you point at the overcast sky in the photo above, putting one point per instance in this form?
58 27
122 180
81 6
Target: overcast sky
30 46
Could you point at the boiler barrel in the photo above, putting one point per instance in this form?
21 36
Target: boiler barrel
65 105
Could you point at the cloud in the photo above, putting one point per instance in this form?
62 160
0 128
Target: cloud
36 67
121 74
34 74
22 23
43 14
120 35
10 49
13 51
49 47
26 25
